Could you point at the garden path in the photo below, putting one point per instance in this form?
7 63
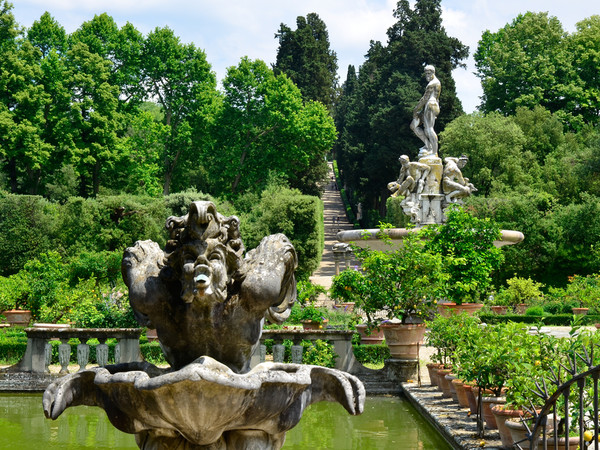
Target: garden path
334 217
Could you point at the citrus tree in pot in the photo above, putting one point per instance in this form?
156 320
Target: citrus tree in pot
395 290
466 244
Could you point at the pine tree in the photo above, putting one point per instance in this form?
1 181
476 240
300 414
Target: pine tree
305 57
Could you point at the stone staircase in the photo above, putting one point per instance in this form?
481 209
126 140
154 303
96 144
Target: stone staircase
334 216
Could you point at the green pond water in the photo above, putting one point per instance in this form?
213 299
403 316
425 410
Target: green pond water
387 423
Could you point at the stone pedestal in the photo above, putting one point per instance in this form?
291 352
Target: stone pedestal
431 209
402 370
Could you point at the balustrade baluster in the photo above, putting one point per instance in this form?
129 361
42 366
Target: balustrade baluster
278 352
102 352
64 355
117 353
83 355
297 354
263 353
48 355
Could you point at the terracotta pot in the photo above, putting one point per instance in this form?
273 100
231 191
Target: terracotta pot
518 432
488 416
521 308
450 308
444 384
403 340
562 443
461 394
450 378
469 388
347 307
433 376
499 309
17 317
502 415
151 334
313 325
376 336
580 311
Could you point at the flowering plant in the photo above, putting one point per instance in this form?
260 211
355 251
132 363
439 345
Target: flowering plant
395 284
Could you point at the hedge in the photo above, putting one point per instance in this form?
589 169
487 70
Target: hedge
552 320
372 354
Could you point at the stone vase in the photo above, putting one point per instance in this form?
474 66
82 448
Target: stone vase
313 325
17 317
488 416
471 400
521 308
499 309
518 432
444 384
450 378
375 338
450 308
580 311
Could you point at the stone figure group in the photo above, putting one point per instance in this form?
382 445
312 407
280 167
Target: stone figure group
428 186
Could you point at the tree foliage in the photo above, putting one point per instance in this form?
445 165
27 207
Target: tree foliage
305 57
532 61
264 130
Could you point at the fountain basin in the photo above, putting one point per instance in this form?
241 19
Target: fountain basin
368 237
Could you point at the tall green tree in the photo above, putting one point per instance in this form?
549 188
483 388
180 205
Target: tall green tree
305 56
122 47
390 83
264 131
585 47
527 63
94 115
178 77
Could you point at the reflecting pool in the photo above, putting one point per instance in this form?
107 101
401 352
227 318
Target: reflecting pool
387 423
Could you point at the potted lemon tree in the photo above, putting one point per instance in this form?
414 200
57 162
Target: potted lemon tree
466 244
395 290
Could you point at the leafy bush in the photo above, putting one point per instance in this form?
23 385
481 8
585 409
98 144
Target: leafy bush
309 292
320 353
519 290
29 228
402 282
371 354
287 211
467 245
535 311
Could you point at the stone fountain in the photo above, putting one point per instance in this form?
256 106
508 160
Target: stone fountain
208 302
429 186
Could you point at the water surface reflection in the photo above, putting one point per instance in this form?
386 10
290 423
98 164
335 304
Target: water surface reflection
387 423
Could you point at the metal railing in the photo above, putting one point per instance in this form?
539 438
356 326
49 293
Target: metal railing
577 393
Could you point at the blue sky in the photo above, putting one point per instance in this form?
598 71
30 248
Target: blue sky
230 29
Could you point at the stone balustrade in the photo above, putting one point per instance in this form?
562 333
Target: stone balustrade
39 351
340 339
